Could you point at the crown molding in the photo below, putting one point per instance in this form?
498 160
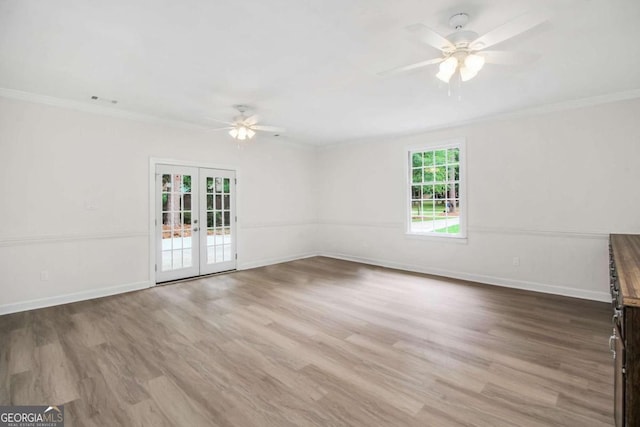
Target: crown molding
141 117
88 107
505 115
561 106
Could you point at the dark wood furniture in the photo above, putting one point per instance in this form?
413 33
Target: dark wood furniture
624 269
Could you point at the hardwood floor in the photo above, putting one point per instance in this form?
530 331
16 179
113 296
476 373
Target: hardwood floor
315 342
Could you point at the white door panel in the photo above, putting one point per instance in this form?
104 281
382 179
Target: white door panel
195 222
218 248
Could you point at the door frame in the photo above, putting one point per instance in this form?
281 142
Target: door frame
153 162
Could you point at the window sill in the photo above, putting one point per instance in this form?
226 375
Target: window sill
437 238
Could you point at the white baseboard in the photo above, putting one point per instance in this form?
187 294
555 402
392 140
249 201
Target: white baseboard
488 280
73 297
271 261
120 289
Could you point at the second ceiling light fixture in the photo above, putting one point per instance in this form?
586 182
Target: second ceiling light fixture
243 127
464 51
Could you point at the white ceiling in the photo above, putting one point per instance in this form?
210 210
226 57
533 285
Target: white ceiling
309 65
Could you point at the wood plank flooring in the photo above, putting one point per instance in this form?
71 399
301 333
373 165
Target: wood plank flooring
315 342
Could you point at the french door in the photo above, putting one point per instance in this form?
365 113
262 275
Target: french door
195 221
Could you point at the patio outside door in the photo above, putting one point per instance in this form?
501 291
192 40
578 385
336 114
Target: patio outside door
195 222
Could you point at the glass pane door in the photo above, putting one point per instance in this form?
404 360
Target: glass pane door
177 222
218 251
195 222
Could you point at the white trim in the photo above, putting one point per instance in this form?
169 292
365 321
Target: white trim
153 266
220 266
573 104
153 162
483 279
435 144
103 110
184 271
72 297
461 144
505 115
152 221
435 238
479 278
121 289
271 261
479 229
58 238
141 117
238 230
541 233
372 224
88 107
189 163
276 224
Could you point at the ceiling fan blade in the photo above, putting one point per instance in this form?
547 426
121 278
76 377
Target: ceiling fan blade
252 120
267 128
508 30
411 67
224 122
430 37
508 58
216 129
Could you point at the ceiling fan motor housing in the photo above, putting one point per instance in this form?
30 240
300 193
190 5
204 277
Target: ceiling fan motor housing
462 39
459 20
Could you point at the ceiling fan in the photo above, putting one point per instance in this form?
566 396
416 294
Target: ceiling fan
463 50
244 127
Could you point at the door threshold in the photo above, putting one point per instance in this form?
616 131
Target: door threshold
190 279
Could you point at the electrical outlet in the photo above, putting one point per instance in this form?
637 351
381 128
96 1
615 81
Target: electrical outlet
44 275
516 261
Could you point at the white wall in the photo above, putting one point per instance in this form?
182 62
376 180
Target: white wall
547 189
56 162
344 201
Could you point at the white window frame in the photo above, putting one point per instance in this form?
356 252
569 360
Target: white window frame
459 143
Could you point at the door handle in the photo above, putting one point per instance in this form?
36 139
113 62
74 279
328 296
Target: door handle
612 338
617 314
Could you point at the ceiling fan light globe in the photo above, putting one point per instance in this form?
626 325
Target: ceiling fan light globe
250 133
445 77
242 133
448 66
474 62
467 74
234 133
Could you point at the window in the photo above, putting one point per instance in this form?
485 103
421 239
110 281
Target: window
436 190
